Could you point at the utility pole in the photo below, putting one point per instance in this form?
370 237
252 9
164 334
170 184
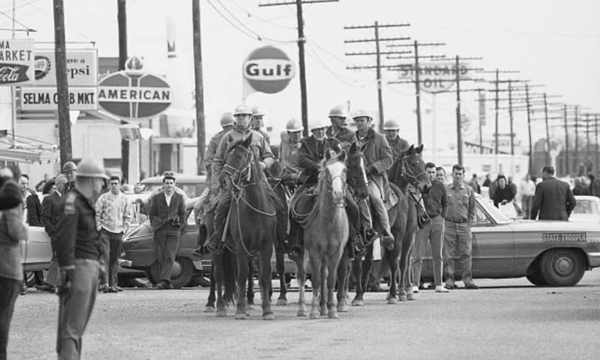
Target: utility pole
587 138
510 114
529 130
576 141
122 24
481 101
378 66
301 61
566 140
199 86
596 136
547 130
64 123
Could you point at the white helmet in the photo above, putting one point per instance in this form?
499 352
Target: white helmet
242 110
227 119
391 125
362 113
256 111
318 124
293 125
339 111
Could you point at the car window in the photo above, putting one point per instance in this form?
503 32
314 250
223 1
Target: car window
480 217
191 220
586 207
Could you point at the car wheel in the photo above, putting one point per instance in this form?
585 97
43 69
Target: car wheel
561 267
537 279
181 275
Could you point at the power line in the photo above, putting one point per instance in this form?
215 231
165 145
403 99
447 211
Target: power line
268 21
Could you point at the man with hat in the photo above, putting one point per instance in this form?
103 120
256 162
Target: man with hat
378 160
167 217
338 129
257 123
77 247
391 129
69 169
289 146
262 152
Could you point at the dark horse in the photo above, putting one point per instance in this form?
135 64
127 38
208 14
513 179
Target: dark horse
252 227
408 168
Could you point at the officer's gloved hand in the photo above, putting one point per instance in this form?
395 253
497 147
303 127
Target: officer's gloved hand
371 169
262 165
65 280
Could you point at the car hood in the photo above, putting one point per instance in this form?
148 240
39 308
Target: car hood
143 230
553 226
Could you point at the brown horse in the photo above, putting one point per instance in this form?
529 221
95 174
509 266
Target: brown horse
252 227
326 231
408 168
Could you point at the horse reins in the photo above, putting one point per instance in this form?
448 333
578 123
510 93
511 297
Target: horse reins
414 178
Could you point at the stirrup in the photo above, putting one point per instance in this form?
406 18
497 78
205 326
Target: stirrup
295 253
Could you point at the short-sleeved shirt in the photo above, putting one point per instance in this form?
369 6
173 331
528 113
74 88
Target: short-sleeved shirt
461 203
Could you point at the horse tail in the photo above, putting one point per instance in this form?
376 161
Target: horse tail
229 276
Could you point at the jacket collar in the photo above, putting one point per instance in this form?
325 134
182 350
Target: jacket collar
370 134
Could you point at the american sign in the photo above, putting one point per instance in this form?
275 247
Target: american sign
46 98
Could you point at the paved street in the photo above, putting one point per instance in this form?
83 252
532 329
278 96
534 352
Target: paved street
505 319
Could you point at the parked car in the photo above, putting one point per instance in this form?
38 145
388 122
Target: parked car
554 253
586 210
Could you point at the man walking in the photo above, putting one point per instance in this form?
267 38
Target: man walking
527 191
458 240
167 216
436 204
553 199
113 217
77 247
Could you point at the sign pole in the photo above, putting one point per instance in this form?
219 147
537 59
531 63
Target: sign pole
459 145
418 92
122 23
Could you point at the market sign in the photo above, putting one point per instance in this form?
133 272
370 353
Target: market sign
134 95
82 67
435 77
16 62
268 70
46 98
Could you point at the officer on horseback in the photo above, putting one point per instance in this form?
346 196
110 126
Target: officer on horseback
241 131
378 159
391 129
338 129
257 123
289 147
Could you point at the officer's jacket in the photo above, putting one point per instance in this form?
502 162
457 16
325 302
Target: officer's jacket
76 234
265 135
210 153
398 146
50 212
288 154
259 145
377 153
345 136
310 155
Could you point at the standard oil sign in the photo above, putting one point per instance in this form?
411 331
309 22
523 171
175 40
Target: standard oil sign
268 70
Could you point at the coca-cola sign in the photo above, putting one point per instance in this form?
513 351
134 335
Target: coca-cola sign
16 62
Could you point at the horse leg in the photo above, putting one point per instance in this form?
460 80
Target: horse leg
242 262
323 300
210 304
393 296
405 281
264 274
280 264
331 278
218 270
357 269
342 282
250 291
301 277
315 265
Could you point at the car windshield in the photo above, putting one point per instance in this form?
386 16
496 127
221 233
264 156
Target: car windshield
586 207
498 216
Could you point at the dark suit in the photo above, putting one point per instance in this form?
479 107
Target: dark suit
310 154
553 200
50 214
34 209
167 222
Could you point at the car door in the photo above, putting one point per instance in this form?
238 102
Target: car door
493 246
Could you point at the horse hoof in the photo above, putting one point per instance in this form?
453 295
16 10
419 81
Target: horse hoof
403 298
281 302
250 307
356 302
221 313
209 309
333 315
301 313
392 300
314 316
410 297
342 308
241 316
269 316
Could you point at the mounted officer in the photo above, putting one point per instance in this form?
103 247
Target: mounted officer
257 123
338 129
391 129
240 131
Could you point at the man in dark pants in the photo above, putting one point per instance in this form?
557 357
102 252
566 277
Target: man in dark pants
77 246
167 216
553 199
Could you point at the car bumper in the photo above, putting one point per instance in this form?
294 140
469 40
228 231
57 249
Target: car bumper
594 259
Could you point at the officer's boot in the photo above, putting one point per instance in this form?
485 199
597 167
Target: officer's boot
215 244
296 237
202 233
355 241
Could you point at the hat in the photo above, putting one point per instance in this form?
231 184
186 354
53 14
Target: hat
169 175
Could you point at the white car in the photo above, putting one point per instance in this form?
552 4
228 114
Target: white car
586 210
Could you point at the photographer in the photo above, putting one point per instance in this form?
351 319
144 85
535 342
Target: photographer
167 216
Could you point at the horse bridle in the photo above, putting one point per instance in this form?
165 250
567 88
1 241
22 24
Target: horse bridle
413 179
232 171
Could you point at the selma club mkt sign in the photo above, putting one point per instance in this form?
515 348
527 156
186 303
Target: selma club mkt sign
132 95
16 62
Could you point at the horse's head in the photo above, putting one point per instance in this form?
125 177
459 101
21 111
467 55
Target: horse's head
410 167
239 161
332 177
357 176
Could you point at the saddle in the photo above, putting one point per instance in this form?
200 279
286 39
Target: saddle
303 203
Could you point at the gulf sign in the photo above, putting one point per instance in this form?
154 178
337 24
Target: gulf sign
16 62
134 95
268 70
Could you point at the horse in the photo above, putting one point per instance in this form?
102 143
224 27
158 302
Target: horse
408 168
251 226
326 231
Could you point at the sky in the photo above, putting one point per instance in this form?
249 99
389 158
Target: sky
549 42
